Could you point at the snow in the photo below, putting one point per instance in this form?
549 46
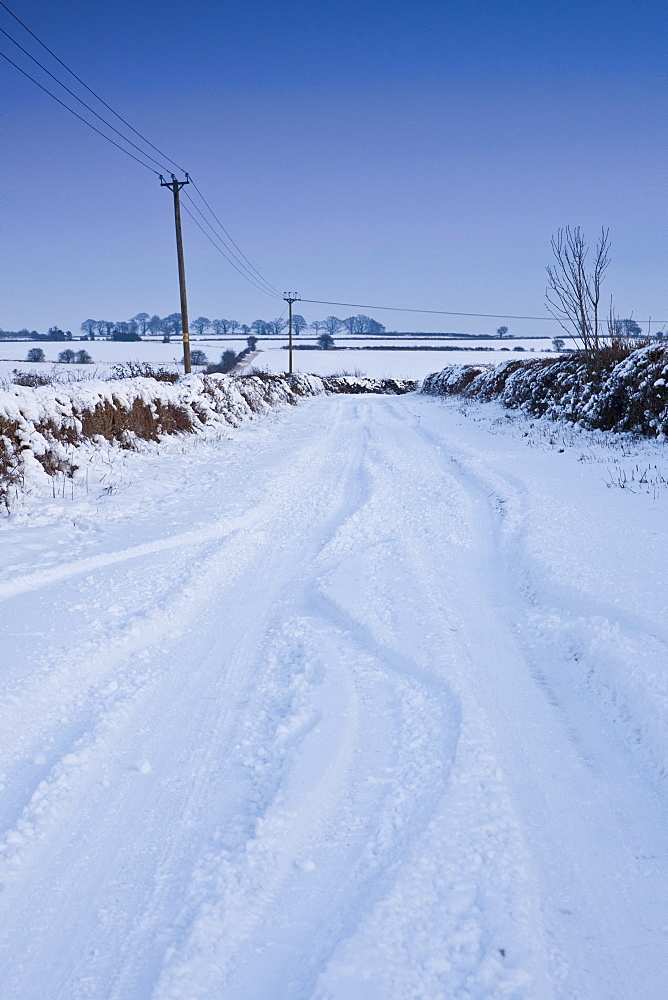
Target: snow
376 364
364 699
625 395
67 427
272 356
110 352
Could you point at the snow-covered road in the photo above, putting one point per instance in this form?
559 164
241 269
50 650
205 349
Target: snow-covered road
368 703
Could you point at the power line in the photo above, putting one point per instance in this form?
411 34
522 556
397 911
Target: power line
235 260
236 253
445 312
269 288
76 115
222 252
248 276
431 312
81 101
89 89
231 240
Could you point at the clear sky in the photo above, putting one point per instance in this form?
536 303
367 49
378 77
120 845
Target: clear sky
398 153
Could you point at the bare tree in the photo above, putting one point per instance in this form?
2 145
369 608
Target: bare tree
501 332
325 342
361 324
199 325
365 324
574 293
89 326
233 326
105 327
298 323
260 327
317 325
154 324
142 320
631 328
171 326
277 326
332 325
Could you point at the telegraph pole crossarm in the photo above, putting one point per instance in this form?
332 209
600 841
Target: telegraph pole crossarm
290 297
175 186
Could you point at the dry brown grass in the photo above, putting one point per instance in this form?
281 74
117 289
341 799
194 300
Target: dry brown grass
112 421
124 424
11 475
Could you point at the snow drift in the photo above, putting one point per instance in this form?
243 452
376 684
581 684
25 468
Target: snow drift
43 427
630 395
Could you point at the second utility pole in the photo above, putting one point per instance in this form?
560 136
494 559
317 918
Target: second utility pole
175 186
290 297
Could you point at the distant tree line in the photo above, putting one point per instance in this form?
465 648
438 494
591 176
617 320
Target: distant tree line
54 333
19 335
170 326
132 329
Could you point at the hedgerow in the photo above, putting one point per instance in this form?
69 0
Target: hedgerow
627 395
42 426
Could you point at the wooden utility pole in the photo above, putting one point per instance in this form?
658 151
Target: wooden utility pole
175 186
290 297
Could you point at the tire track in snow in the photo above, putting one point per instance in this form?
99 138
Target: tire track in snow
580 788
77 768
396 875
246 879
304 505
438 927
350 794
82 673
566 621
47 577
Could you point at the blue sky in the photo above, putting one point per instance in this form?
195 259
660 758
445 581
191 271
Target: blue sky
416 154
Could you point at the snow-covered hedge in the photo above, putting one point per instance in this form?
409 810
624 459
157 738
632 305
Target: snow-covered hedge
43 425
630 395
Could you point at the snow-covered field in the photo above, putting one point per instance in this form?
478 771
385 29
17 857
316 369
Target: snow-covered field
367 700
376 364
106 353
272 358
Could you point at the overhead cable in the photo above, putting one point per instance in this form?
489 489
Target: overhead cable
224 254
239 258
76 115
81 101
89 89
447 312
231 240
431 312
249 273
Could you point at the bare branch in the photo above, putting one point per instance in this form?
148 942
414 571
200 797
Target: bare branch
573 293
